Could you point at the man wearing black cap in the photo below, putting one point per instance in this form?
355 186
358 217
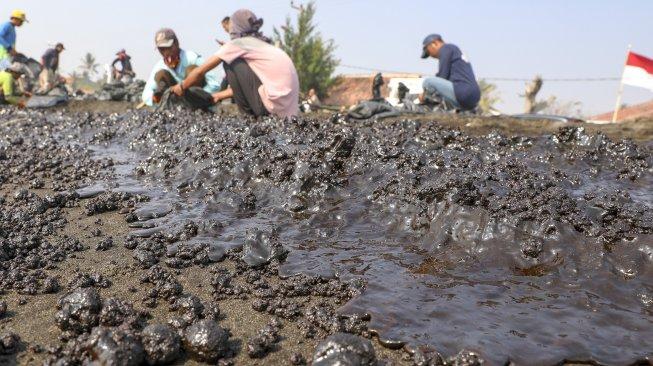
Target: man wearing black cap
50 63
455 81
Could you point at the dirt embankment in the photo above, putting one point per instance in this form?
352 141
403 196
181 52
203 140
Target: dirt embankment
638 130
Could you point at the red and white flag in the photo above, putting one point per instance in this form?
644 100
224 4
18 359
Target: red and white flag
638 71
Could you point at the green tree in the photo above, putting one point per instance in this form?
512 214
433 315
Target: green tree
89 66
313 56
489 97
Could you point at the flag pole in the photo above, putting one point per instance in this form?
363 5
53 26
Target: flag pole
621 87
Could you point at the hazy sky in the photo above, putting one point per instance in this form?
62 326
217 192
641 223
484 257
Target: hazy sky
502 38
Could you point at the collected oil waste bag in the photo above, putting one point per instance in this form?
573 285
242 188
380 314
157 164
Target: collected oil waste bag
194 98
46 101
34 67
383 109
379 108
119 91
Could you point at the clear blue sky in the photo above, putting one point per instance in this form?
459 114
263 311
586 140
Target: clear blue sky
508 38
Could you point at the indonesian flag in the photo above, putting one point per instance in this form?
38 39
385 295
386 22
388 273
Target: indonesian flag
638 71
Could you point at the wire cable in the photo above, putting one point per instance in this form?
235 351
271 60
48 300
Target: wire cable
595 79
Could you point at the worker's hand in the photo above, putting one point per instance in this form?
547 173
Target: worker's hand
178 90
156 99
27 94
421 98
217 98
21 104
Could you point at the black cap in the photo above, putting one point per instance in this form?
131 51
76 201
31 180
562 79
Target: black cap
427 41
60 45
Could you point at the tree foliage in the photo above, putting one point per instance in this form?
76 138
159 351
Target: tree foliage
88 66
313 56
489 97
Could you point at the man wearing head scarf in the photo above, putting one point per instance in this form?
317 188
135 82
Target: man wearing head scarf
262 78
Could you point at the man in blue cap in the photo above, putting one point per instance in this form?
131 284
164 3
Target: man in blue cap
455 81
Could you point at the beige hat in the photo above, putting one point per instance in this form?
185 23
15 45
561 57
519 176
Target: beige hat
165 37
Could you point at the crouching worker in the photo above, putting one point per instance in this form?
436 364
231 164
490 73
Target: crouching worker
48 78
262 78
455 81
8 91
174 67
126 74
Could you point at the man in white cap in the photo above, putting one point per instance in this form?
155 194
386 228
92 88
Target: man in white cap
175 65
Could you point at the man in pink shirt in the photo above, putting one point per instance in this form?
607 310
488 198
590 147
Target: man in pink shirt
262 78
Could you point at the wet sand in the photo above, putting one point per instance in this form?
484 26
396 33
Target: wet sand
34 320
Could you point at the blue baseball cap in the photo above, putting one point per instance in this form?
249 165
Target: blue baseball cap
427 41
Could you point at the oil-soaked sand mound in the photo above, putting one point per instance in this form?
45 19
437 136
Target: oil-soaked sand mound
530 249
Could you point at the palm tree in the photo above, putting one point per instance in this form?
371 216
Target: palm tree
89 66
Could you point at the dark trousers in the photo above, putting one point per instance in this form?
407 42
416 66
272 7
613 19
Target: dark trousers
195 97
245 84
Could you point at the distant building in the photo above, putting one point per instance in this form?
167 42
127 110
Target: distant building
352 89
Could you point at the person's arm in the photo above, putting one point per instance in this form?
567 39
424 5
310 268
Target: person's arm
222 95
113 64
213 80
196 75
446 55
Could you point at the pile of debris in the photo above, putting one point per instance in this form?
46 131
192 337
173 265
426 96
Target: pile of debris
119 91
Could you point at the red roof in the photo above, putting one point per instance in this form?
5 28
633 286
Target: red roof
629 113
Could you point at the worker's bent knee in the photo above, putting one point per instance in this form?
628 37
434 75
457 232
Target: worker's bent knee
433 84
165 76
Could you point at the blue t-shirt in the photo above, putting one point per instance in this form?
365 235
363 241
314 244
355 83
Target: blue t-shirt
51 59
455 68
7 36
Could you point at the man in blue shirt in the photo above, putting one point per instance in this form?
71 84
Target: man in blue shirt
174 67
8 37
455 81
50 62
50 59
